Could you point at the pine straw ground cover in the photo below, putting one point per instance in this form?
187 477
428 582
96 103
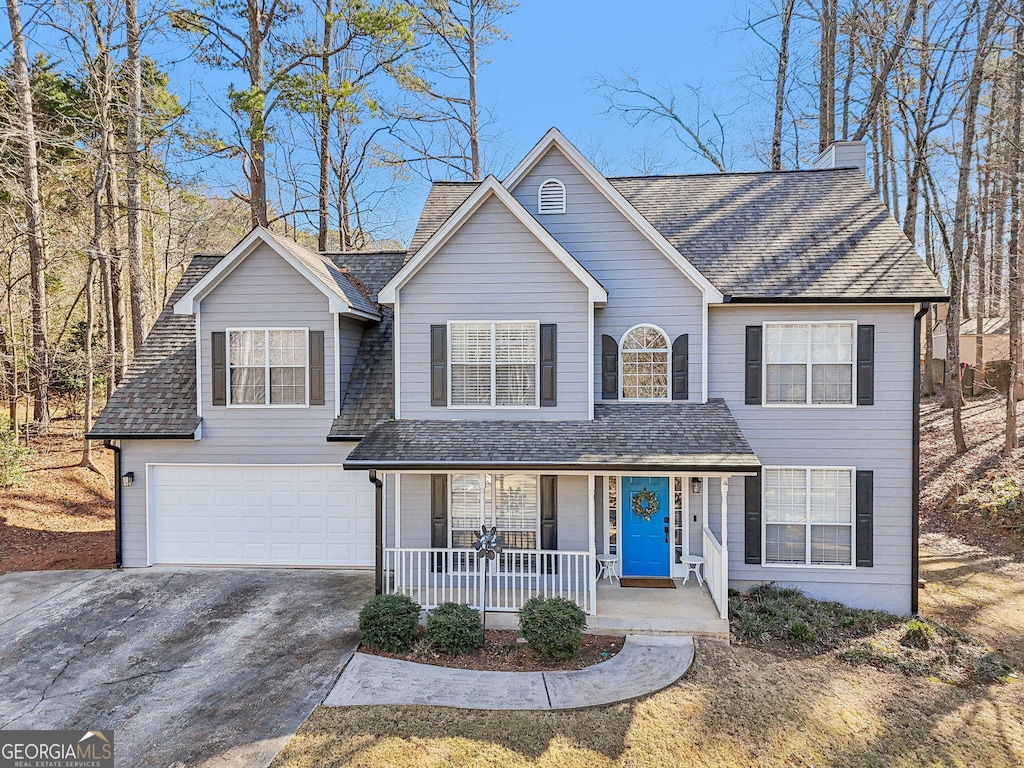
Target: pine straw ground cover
61 515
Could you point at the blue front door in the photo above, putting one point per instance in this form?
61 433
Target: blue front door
644 516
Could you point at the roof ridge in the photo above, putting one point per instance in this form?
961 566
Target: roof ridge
785 172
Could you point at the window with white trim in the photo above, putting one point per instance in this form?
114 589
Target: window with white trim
809 363
644 362
268 367
509 502
808 516
551 196
494 364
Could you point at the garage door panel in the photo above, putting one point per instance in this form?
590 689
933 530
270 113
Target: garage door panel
261 515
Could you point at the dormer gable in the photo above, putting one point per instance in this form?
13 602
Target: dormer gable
344 297
490 189
554 140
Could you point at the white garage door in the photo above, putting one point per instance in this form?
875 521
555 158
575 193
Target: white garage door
260 515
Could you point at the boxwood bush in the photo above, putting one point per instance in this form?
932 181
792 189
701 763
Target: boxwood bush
388 622
455 628
552 626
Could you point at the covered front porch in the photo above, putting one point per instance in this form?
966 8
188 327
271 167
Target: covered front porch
645 516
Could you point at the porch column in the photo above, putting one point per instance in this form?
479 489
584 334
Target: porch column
591 569
724 607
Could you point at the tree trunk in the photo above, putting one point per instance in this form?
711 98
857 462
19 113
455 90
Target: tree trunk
117 302
1010 442
929 331
958 249
780 84
87 349
474 107
257 122
40 365
324 130
828 18
888 62
133 183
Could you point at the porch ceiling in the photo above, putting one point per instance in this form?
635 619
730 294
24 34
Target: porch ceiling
669 437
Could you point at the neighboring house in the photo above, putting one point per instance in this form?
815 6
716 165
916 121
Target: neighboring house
994 336
651 369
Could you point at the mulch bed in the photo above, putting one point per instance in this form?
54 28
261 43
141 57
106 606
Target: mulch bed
502 653
62 515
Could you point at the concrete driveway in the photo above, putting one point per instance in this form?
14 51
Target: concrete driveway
188 666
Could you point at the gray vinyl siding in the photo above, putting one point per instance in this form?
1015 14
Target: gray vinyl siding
874 437
350 333
264 291
643 285
573 508
257 449
494 269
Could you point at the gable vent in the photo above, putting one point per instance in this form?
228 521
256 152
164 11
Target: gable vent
551 197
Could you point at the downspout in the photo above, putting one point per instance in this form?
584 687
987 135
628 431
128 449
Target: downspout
379 553
915 458
117 500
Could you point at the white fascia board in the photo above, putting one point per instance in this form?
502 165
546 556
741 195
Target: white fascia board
555 138
189 303
488 188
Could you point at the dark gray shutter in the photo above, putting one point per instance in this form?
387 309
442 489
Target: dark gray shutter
548 365
438 519
219 357
438 365
609 368
316 367
752 519
681 367
548 512
865 518
865 365
753 365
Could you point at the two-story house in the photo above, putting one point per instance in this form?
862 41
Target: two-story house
716 372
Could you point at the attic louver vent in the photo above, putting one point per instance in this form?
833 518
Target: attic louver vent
551 197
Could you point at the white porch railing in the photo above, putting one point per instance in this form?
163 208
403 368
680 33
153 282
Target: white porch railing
435 576
715 575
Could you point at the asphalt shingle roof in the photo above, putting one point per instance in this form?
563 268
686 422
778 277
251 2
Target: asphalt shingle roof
157 396
442 201
662 436
792 234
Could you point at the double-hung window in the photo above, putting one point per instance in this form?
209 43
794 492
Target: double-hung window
808 516
809 363
268 367
509 502
494 365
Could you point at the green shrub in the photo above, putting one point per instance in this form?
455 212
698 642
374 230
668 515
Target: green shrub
552 627
388 622
12 455
455 628
918 634
802 633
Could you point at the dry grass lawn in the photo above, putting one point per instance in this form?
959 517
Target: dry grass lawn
737 706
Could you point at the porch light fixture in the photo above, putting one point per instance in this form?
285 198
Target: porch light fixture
695 484
127 479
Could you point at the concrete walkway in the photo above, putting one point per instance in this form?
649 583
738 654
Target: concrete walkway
646 663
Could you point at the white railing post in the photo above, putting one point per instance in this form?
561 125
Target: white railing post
590 563
724 587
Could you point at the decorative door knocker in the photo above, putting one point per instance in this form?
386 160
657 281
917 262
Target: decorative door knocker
645 504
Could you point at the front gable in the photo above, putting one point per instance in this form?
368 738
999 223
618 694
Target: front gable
591 202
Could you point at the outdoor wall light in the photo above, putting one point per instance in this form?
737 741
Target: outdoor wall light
127 479
695 484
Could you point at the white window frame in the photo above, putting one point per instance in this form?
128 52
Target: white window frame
809 403
494 366
266 382
807 564
540 193
668 366
489 506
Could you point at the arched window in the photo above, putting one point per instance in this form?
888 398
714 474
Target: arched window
551 197
644 362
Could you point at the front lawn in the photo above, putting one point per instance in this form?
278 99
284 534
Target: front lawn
742 705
